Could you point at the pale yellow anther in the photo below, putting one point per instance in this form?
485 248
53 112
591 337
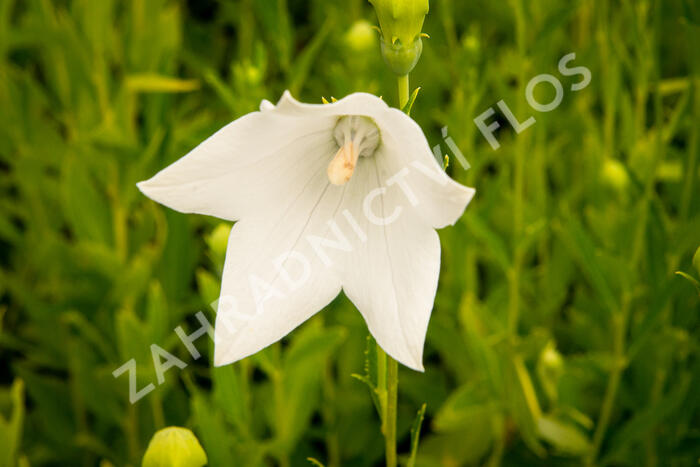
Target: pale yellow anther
342 165
356 137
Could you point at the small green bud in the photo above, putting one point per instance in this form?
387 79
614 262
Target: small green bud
615 175
551 359
471 44
360 37
549 369
402 59
401 22
696 260
174 447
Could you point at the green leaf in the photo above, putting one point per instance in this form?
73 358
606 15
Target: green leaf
232 394
370 375
222 90
157 316
133 342
302 373
415 436
150 82
409 105
690 279
566 437
11 429
178 258
208 286
465 407
212 430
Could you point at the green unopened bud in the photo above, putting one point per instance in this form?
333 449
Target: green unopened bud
696 260
549 370
401 22
360 37
471 44
551 359
174 447
615 175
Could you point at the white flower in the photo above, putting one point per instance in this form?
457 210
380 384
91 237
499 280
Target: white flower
326 197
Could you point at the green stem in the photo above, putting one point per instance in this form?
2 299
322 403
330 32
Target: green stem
518 192
281 416
387 367
403 91
619 364
691 172
157 410
132 432
392 383
387 387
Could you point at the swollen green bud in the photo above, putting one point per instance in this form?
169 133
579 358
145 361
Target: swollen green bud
615 175
360 37
174 447
401 22
549 370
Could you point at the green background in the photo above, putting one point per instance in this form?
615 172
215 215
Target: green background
561 334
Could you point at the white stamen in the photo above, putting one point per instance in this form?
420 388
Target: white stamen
356 136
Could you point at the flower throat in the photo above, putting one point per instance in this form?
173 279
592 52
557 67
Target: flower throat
356 136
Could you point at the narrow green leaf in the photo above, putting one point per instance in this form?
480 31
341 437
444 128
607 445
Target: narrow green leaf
370 376
222 90
690 279
409 105
415 435
11 430
564 436
149 82
464 407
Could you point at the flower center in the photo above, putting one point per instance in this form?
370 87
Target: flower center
356 136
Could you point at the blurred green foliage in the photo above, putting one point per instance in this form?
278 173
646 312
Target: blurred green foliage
560 334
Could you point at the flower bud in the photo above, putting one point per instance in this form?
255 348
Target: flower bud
549 369
615 175
360 37
551 359
471 44
401 22
174 447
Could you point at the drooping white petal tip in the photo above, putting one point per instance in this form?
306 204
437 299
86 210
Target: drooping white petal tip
417 366
416 362
219 356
